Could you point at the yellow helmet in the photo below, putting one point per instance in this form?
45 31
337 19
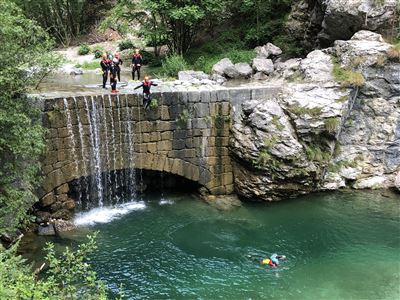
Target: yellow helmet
265 261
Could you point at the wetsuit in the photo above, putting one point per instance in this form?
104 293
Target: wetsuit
137 61
113 76
105 67
118 62
146 85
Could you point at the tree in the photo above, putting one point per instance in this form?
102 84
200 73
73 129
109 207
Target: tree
174 22
26 59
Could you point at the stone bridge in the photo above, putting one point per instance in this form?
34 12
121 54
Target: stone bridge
100 136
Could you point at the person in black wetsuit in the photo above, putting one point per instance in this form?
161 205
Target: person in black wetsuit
105 67
113 76
118 62
137 61
146 85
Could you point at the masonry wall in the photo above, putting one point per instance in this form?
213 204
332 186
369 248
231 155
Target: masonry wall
186 134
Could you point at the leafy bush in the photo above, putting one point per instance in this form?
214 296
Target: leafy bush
125 44
84 49
97 51
154 104
314 153
69 276
172 64
331 124
150 59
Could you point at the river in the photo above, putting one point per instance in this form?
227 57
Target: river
339 245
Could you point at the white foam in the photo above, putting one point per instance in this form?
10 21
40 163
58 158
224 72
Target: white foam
106 214
165 201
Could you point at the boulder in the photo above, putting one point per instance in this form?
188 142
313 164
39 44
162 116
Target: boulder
64 214
244 70
267 51
397 181
47 230
317 67
260 76
191 75
263 65
63 226
321 22
218 78
375 182
42 217
47 200
225 67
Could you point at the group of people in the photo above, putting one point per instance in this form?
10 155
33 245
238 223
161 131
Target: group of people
111 67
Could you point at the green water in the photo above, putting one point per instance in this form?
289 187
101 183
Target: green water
342 245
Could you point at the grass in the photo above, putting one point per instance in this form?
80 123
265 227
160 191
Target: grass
89 65
314 153
301 110
394 52
342 99
331 124
380 61
346 77
276 121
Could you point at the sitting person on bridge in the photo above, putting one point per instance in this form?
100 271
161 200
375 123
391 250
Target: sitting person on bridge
146 85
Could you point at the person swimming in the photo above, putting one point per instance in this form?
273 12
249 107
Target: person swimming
272 261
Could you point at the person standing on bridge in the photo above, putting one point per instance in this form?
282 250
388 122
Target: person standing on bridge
137 61
146 85
105 67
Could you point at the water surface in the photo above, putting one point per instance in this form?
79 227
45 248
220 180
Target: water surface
342 245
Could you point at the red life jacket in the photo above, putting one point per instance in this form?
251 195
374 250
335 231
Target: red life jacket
147 83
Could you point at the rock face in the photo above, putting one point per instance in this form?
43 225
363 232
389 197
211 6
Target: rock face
318 134
321 22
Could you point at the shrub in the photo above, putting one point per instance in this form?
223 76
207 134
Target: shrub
172 64
98 51
301 110
276 121
125 44
84 49
314 153
154 104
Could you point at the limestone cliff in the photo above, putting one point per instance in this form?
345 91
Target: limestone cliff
316 23
320 133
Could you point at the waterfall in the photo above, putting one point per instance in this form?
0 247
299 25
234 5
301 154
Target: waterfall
103 117
113 141
82 145
131 169
119 181
72 137
95 157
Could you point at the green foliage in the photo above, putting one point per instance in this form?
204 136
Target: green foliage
64 20
68 277
154 104
263 159
331 124
26 60
183 118
346 77
301 110
125 44
89 65
336 167
289 46
342 99
276 121
314 153
98 51
83 49
172 64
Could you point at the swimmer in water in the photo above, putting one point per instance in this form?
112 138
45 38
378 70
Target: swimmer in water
273 261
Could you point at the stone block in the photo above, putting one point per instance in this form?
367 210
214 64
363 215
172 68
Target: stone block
55 178
167 135
178 144
201 110
47 200
205 176
70 204
227 178
164 145
169 98
165 126
200 123
155 136
220 190
193 96
164 113
62 189
61 198
205 96
230 189
189 153
152 147
222 95
180 134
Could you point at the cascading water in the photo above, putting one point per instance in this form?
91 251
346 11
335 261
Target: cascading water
110 142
